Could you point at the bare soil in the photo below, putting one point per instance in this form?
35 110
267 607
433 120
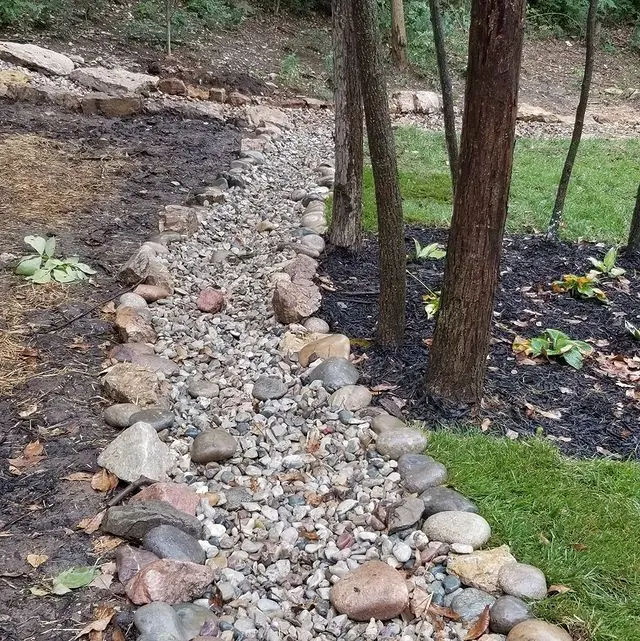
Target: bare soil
160 159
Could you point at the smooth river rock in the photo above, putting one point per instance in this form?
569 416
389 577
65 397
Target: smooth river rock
157 618
523 581
458 527
373 591
351 398
269 387
335 373
444 499
535 630
170 542
160 419
385 423
470 603
420 472
119 415
507 612
405 514
332 346
395 443
213 445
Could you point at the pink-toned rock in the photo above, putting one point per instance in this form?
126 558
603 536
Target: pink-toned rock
169 581
302 268
211 301
129 561
134 326
127 352
293 302
176 494
152 293
374 591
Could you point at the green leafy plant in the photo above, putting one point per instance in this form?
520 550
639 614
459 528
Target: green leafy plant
290 68
42 267
580 287
632 330
432 251
553 343
432 303
607 265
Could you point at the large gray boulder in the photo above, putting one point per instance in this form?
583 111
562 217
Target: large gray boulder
35 57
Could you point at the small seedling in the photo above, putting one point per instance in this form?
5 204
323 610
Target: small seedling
632 330
42 267
432 303
432 251
580 287
553 343
607 265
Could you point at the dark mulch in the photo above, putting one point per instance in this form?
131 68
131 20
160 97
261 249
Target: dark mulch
597 413
62 407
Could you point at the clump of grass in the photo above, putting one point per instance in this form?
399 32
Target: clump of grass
290 69
577 520
599 203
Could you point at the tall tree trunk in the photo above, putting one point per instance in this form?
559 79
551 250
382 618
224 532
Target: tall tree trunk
398 33
168 15
458 358
447 91
633 244
385 173
346 219
558 207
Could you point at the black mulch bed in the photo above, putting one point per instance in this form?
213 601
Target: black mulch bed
598 415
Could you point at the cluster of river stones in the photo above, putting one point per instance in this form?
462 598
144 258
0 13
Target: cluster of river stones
279 502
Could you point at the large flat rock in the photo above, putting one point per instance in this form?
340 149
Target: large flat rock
116 80
35 57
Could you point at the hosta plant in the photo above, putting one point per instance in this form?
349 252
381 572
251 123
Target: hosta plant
431 303
553 343
580 287
42 267
607 265
432 251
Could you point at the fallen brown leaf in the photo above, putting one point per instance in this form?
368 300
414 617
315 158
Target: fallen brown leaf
310 536
36 560
480 626
103 481
91 523
78 476
32 454
106 543
35 448
117 635
420 602
554 415
558 589
579 547
440 611
103 615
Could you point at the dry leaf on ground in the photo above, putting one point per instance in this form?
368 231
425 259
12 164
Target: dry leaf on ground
480 626
78 476
102 616
36 560
91 523
106 543
558 589
32 454
103 481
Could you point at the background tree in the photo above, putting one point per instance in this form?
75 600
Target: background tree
385 173
633 244
398 33
447 91
558 207
346 219
458 357
168 18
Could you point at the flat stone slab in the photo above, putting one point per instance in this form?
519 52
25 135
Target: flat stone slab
116 80
35 57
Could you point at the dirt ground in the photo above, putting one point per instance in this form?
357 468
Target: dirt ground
106 180
588 412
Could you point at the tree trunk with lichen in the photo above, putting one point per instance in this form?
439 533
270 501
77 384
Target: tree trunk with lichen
398 34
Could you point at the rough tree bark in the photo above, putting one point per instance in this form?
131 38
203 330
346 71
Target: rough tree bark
398 33
458 358
447 91
346 219
633 244
385 173
558 207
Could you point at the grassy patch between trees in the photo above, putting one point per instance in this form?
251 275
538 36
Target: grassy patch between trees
599 202
577 520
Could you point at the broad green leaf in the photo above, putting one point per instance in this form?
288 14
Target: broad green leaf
573 358
85 268
37 242
539 345
617 271
418 248
50 247
609 259
28 266
75 577
585 348
41 276
64 275
71 260
435 250
51 263
596 263
555 334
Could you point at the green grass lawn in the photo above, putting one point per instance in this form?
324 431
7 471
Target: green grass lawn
578 521
598 206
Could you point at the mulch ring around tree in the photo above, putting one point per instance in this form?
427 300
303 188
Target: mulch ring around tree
590 411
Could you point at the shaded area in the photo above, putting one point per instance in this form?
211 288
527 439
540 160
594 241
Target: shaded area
596 410
160 159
